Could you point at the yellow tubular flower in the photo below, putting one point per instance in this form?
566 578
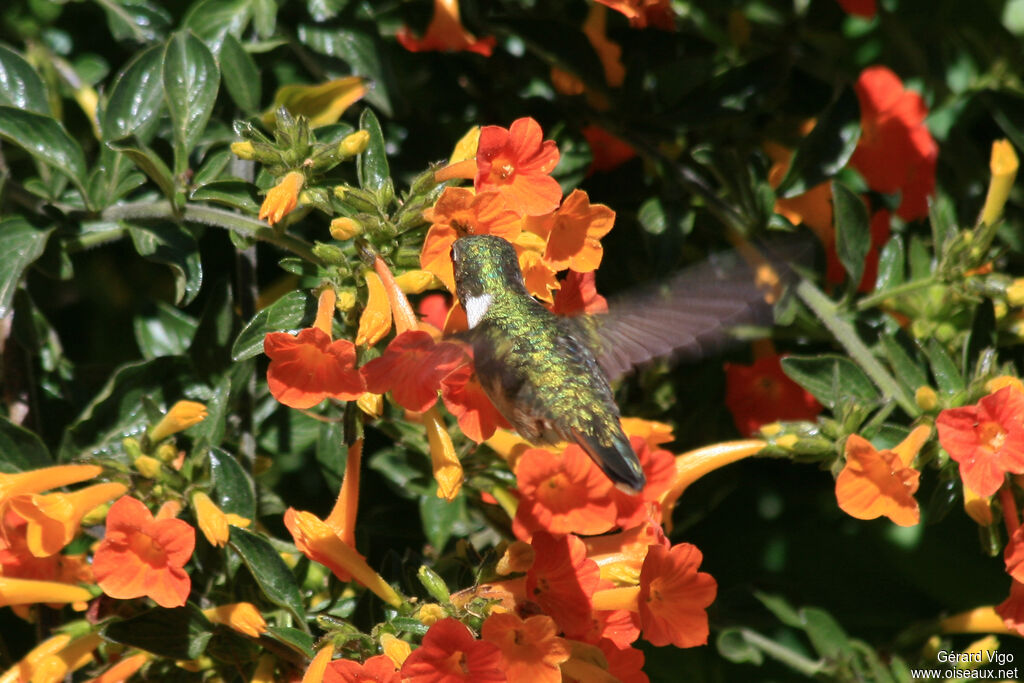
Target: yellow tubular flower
977 507
53 668
465 148
375 322
322 103
518 557
24 669
29 591
241 616
212 520
123 670
35 481
282 198
417 281
354 144
396 649
264 672
180 417
977 620
446 464
1003 164
54 518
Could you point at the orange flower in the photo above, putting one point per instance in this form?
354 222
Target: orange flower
53 519
537 274
412 368
29 592
306 369
445 33
17 561
595 27
572 233
896 153
458 212
761 393
375 322
243 617
860 8
282 198
530 650
624 662
123 670
621 555
36 481
660 469
607 152
180 417
465 399
578 294
376 669
562 580
562 493
987 439
673 596
1012 609
518 162
644 13
1013 554
875 484
433 309
142 556
450 653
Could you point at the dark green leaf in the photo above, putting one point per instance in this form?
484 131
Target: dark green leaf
287 313
137 20
560 45
214 164
264 17
21 449
236 194
297 640
942 218
853 234
920 259
241 77
782 610
322 10
172 244
373 163
982 335
947 374
362 49
331 453
169 333
907 370
177 633
210 431
21 244
136 98
20 85
231 484
190 79
214 20
45 139
152 165
825 634
732 645
826 149
831 379
440 518
269 570
890 264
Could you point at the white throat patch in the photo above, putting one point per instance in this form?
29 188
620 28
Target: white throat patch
476 308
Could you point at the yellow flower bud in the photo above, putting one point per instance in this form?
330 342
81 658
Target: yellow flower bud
212 520
1015 293
181 416
786 441
354 144
771 429
1003 165
241 616
344 228
926 398
417 281
147 466
346 300
282 198
243 150
465 148
430 613
371 404
166 452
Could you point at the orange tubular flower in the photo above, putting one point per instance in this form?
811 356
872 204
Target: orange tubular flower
73 656
180 417
53 519
306 369
375 322
881 483
562 580
693 465
318 667
36 481
445 33
595 27
450 653
28 592
412 368
465 399
142 556
321 543
377 669
761 393
241 616
674 595
562 493
214 522
896 153
122 670
644 13
458 212
987 439
17 561
530 650
573 232
537 274
517 162
282 198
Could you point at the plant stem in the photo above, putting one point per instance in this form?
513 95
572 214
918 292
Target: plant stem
878 297
793 660
825 309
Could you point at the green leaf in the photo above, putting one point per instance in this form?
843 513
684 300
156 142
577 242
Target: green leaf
982 335
825 634
831 379
236 194
21 449
20 85
173 245
210 432
440 518
944 369
297 640
45 139
241 77
136 20
890 264
214 20
264 17
735 647
231 483
269 570
190 79
322 10
176 633
907 370
853 234
169 333
782 610
826 149
331 453
287 313
213 165
152 165
136 98
373 163
21 243
362 49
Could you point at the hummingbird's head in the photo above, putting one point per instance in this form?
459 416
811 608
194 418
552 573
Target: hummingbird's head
485 266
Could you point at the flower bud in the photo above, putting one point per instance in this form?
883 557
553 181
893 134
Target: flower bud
329 254
243 150
430 613
354 144
371 404
434 584
344 228
147 466
926 398
416 281
1015 293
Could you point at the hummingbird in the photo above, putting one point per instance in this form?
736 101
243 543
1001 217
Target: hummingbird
550 375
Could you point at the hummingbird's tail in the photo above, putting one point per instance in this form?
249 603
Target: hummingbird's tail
617 460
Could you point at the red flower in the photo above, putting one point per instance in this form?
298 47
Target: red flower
562 493
660 469
433 309
378 669
517 162
465 399
896 153
987 439
761 393
674 595
412 368
1012 609
624 662
578 294
449 654
860 8
446 33
562 580
306 369
607 151
143 556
